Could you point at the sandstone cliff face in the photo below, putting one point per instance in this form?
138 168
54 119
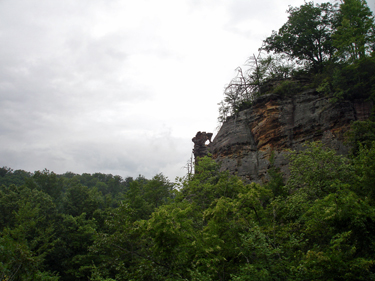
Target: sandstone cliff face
276 123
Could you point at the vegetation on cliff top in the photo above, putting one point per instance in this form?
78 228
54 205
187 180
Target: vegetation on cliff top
325 46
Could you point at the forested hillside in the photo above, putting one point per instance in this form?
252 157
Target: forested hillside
49 222
319 224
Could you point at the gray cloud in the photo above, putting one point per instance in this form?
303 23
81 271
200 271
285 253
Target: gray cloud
119 87
124 156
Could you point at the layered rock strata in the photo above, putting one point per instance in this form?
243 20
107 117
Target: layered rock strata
274 124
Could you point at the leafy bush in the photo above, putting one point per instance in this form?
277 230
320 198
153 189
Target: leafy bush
362 133
287 87
356 80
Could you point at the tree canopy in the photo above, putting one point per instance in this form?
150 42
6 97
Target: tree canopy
307 35
328 47
354 37
318 225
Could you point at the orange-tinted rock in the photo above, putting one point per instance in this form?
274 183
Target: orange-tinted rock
276 123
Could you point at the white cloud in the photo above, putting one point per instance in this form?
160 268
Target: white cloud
116 86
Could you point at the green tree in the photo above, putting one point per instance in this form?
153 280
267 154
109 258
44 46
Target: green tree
120 248
306 35
207 184
328 213
265 259
80 199
316 171
70 256
114 185
355 80
361 133
354 37
8 176
144 196
158 190
26 234
134 198
47 182
364 166
195 236
339 241
13 198
171 236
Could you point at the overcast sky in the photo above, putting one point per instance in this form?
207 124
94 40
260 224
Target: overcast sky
120 86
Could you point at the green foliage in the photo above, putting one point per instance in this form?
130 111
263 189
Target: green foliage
96 276
317 171
47 182
80 199
287 87
196 236
263 257
208 184
330 207
70 254
365 172
343 250
318 226
144 196
26 235
17 177
306 35
274 67
354 36
326 47
355 81
259 79
116 247
13 198
362 133
276 181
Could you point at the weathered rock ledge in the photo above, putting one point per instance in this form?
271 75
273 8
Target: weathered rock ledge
276 123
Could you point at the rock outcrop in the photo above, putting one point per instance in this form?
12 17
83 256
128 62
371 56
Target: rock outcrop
200 147
274 124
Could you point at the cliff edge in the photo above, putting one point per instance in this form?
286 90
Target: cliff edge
274 123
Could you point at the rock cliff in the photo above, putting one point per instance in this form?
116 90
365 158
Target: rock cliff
274 124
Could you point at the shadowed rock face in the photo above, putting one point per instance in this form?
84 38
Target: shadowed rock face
276 123
200 148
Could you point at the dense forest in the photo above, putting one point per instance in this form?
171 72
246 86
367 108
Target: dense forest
317 224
